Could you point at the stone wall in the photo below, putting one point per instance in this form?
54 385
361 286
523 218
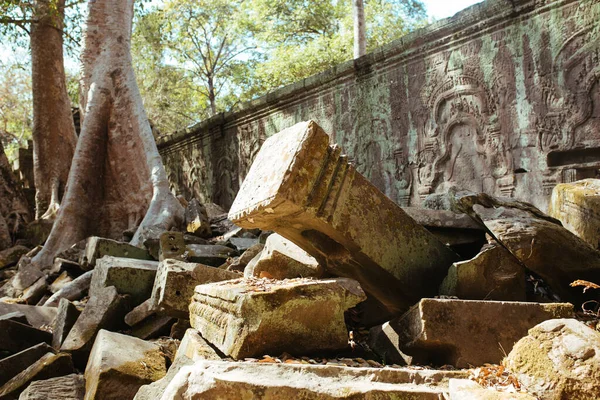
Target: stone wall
504 98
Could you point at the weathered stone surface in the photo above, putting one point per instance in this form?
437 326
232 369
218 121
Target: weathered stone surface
196 219
119 365
155 390
577 206
175 283
128 276
213 255
34 293
38 231
140 313
50 365
459 332
240 263
179 328
15 337
195 347
106 310
65 319
62 264
72 291
70 387
221 379
36 316
97 247
172 246
536 240
16 316
153 327
466 389
281 259
559 359
249 317
494 274
11 366
305 190
12 255
63 279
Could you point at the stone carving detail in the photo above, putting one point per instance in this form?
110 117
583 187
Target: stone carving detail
251 138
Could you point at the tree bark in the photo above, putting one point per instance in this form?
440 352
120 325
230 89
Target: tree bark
117 181
54 137
360 41
13 205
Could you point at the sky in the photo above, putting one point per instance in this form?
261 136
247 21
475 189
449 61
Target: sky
446 8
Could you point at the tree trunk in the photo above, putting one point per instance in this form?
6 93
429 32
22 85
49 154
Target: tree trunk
212 97
117 180
13 206
54 137
360 41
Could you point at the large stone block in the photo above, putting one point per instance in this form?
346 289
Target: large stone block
195 347
196 219
222 379
97 247
13 365
74 290
70 387
15 336
128 276
119 365
577 206
175 282
305 190
65 319
250 317
462 333
36 316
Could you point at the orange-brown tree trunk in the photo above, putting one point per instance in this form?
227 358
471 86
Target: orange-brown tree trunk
54 137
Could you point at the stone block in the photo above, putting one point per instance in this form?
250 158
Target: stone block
35 292
12 255
16 316
50 365
195 347
97 247
175 282
64 265
462 333
63 279
11 366
15 337
70 387
119 365
494 274
74 290
242 244
36 316
196 219
172 246
558 359
153 327
265 381
105 310
213 255
128 276
282 259
140 313
65 319
250 317
155 390
239 263
466 389
305 190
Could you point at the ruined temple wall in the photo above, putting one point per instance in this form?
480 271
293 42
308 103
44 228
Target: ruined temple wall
502 98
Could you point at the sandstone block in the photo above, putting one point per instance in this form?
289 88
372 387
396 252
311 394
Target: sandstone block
97 247
11 366
128 276
153 327
12 255
242 244
15 337
222 379
462 333
305 190
61 281
140 313
119 365
240 263
282 259
249 317
175 282
70 387
559 359
155 390
577 206
494 274
65 319
195 347
196 219
172 246
36 316
213 255
466 389
74 290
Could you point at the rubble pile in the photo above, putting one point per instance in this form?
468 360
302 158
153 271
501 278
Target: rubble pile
314 285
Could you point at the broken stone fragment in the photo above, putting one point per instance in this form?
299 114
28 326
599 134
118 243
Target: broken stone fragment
119 365
577 206
213 255
128 276
266 381
105 310
36 316
559 359
155 390
63 279
140 313
196 219
11 366
240 263
65 319
50 365
16 316
281 259
466 389
195 347
305 190
64 265
462 333
242 244
35 292
74 290
175 282
97 247
15 336
153 327
494 274
12 255
250 317
70 387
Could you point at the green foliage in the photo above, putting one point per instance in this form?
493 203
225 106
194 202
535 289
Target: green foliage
16 117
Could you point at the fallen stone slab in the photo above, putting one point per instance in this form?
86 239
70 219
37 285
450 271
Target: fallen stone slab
461 333
140 313
558 359
179 328
172 246
242 244
35 292
494 274
196 219
16 316
128 276
207 254
282 259
36 316
194 347
239 264
250 317
175 282
466 389
577 206
74 290
50 365
153 327
15 337
61 281
69 387
105 310
11 366
12 255
222 379
305 190
120 364
155 390
65 319
64 265
97 247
